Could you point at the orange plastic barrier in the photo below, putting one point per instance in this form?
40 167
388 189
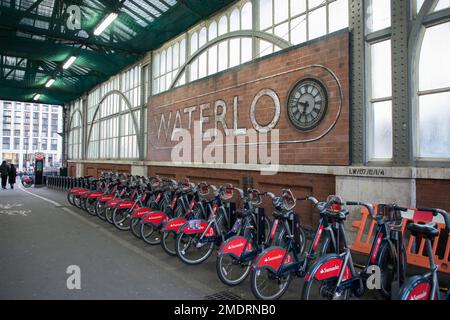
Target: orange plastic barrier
415 248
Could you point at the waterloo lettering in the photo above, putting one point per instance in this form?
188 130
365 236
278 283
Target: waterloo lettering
166 123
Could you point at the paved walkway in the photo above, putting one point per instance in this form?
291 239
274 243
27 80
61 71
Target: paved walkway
41 234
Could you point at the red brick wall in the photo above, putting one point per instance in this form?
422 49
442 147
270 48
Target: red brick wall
301 184
72 170
433 193
278 72
95 169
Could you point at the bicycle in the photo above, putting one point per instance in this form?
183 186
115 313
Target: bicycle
193 209
272 271
27 180
334 277
151 225
123 211
198 238
236 254
425 287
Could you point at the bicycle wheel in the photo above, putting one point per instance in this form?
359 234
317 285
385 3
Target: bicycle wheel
108 214
150 234
231 271
191 250
388 267
168 242
121 219
100 210
77 202
322 281
70 197
136 227
90 206
266 285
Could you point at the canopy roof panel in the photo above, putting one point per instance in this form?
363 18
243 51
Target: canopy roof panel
36 40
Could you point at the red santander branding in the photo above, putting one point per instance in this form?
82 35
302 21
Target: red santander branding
156 218
175 224
236 246
318 235
420 292
331 269
373 257
274 258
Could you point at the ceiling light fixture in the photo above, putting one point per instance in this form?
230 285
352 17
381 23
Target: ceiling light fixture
49 82
69 62
105 23
36 97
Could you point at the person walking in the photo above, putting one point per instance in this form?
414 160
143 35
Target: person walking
12 175
4 170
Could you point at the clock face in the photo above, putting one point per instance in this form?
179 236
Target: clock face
307 104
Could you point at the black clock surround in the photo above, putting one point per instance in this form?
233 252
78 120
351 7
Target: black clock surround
307 104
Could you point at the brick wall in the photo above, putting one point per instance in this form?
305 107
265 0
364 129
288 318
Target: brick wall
433 193
278 72
301 184
95 169
72 169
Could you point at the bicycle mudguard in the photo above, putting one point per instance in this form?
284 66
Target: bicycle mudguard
235 246
113 203
328 266
76 189
84 194
271 259
141 212
80 192
175 224
95 195
416 288
106 198
197 226
125 204
156 218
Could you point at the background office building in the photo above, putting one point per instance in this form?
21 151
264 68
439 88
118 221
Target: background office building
28 128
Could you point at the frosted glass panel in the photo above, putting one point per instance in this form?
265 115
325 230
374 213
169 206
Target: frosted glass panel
212 60
212 31
379 15
246 53
223 55
246 17
265 14
317 23
382 130
297 7
381 69
338 15
314 3
442 4
298 30
223 25
202 65
434 66
282 31
265 48
434 125
281 10
235 52
235 20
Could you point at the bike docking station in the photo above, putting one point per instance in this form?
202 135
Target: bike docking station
39 170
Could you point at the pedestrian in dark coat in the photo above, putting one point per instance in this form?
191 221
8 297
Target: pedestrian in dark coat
4 170
12 175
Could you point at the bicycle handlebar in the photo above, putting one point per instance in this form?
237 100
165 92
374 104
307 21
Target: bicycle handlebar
366 205
435 212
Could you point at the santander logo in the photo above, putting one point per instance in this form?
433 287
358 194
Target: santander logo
331 269
177 224
154 217
418 296
273 258
236 246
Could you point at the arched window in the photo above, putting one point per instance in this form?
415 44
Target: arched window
75 132
433 113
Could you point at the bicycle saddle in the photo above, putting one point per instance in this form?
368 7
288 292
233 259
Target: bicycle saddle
429 230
